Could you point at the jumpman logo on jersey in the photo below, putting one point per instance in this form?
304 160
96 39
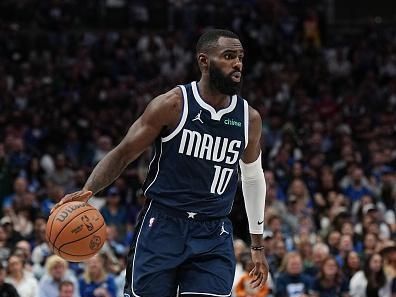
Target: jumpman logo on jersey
223 230
198 117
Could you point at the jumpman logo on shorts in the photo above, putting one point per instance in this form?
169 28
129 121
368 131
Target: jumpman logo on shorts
198 117
223 230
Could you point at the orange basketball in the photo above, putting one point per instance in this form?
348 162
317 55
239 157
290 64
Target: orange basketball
76 231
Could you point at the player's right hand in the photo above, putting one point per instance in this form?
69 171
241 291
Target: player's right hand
82 195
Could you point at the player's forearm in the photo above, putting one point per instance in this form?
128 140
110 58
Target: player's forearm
106 171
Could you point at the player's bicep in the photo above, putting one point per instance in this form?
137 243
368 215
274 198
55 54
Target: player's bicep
160 113
252 151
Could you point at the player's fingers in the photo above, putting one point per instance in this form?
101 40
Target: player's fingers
257 281
86 195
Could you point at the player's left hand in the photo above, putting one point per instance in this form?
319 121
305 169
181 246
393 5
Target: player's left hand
260 271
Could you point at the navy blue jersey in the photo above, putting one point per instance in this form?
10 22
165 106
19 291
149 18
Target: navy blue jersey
195 167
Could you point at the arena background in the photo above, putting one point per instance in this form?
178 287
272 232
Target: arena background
74 75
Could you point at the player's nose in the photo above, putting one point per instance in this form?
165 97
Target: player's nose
238 65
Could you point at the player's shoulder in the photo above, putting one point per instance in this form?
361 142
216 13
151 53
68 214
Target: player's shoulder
254 117
171 100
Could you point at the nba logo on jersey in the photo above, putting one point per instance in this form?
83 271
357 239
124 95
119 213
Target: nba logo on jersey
151 222
203 153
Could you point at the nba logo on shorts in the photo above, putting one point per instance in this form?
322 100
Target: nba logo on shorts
151 222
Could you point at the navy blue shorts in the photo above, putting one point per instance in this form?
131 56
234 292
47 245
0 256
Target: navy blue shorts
176 251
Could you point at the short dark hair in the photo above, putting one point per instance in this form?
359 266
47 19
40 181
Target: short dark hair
210 38
65 283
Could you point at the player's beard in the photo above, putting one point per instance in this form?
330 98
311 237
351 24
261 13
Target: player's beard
223 83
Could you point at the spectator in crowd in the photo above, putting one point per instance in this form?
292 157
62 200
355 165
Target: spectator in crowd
95 280
371 281
291 282
23 281
330 281
6 289
67 289
351 265
56 272
320 251
113 212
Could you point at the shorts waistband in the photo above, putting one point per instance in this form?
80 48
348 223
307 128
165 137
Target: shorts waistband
188 215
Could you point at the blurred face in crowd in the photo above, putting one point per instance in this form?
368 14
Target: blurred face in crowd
375 263
95 266
353 260
330 268
391 259
319 254
334 238
347 229
298 188
15 265
280 248
370 241
294 264
346 243
58 271
66 290
20 185
357 175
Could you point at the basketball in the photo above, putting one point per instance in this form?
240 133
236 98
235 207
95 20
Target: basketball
76 231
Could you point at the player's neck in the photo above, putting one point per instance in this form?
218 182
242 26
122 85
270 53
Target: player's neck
212 96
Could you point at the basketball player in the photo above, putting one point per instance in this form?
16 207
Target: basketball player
201 132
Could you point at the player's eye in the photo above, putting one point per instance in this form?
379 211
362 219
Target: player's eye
228 56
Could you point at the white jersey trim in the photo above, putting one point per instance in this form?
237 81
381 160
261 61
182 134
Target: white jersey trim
137 242
156 175
183 118
246 118
207 294
215 115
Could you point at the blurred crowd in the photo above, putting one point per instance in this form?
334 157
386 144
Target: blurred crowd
72 82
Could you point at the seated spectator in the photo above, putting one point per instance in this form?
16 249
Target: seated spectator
356 188
320 251
330 281
6 289
351 265
16 198
95 280
67 289
56 273
62 176
23 281
291 282
113 212
371 281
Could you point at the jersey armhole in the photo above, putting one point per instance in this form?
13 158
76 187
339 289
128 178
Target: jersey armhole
246 119
182 118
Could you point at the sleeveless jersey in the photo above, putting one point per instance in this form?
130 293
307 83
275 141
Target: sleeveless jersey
195 167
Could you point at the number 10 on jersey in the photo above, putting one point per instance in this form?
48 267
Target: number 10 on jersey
221 179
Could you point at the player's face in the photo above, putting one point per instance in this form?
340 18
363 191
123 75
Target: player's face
225 67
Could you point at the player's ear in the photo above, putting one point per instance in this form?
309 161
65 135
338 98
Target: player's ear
202 61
